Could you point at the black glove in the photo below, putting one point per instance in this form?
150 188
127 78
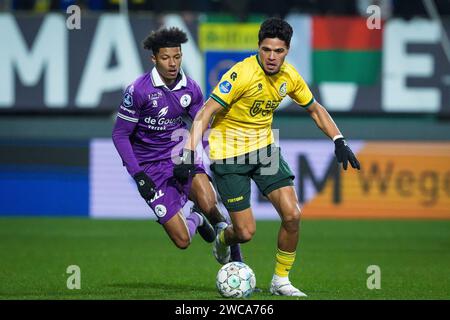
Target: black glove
145 185
186 168
344 153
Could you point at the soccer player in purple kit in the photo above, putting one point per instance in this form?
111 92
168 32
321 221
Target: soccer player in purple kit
149 116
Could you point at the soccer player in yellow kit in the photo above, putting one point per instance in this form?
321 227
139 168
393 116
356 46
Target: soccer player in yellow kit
241 141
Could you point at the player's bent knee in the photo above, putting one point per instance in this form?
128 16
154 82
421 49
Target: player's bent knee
207 204
182 244
291 220
245 235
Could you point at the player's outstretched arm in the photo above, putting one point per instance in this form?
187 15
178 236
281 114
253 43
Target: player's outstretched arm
186 168
121 138
122 131
324 121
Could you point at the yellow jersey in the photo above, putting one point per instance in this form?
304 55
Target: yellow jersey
249 98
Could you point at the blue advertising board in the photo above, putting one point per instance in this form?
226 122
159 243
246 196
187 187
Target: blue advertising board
219 62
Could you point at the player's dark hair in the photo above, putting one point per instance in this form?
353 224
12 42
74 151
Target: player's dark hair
275 28
164 38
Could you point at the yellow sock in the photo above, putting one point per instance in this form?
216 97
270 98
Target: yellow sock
222 237
284 262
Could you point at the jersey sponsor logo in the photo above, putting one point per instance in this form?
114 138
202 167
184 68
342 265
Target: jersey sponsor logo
263 108
127 100
260 86
159 124
225 86
160 210
163 112
233 76
185 100
256 107
283 89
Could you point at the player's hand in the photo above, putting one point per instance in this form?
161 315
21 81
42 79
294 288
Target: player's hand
186 168
145 185
344 154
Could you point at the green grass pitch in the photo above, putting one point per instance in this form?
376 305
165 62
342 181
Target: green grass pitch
134 259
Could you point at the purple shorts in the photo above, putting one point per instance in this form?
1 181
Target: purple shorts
171 195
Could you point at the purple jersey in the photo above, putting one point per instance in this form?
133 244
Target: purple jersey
149 115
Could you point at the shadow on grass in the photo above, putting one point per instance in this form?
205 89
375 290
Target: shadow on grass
189 291
163 286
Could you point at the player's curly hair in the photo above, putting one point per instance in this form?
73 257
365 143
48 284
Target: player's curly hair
164 38
275 28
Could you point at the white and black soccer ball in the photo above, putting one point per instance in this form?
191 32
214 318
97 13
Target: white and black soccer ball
235 280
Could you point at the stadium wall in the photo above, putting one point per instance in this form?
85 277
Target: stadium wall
44 178
387 91
398 179
399 67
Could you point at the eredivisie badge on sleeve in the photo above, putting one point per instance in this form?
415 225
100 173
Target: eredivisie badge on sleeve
128 97
225 86
127 100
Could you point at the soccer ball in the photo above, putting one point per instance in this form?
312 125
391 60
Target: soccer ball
235 280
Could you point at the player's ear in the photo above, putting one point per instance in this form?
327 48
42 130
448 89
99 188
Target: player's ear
153 58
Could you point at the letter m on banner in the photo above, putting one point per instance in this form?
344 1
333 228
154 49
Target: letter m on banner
307 173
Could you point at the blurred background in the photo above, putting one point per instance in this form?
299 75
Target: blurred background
381 68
